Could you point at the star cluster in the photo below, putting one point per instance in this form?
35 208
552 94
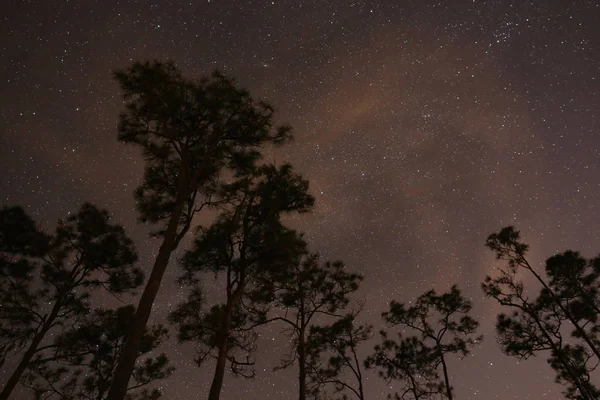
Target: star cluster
423 126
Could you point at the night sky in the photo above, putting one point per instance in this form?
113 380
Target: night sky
422 126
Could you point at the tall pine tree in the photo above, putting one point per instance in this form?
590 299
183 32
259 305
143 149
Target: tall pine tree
333 356
190 133
305 293
246 238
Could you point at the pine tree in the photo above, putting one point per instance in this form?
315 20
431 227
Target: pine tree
507 246
47 280
191 132
82 363
442 326
411 362
333 354
247 237
301 293
538 325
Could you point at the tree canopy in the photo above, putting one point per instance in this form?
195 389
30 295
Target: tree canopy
48 280
191 132
440 326
539 325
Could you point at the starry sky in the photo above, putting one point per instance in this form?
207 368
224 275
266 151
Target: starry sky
423 126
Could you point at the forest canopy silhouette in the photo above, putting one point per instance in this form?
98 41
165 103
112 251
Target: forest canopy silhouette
203 142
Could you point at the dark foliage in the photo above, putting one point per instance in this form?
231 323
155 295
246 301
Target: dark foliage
47 280
540 324
247 237
333 357
442 327
300 293
191 132
83 361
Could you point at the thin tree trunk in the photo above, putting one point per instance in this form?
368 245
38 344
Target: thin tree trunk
18 372
129 353
415 388
302 366
232 302
360 389
446 379
217 382
358 374
24 363
582 386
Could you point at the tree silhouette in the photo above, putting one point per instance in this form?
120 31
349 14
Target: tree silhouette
409 361
538 325
83 362
332 353
533 328
47 280
246 237
303 291
507 246
190 132
579 365
206 329
575 282
442 326
21 243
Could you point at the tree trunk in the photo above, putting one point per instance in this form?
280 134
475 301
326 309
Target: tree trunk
360 390
357 373
129 353
217 382
414 388
24 363
582 386
360 384
446 379
302 366
18 372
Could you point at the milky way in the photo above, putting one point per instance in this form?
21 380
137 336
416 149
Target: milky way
422 126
